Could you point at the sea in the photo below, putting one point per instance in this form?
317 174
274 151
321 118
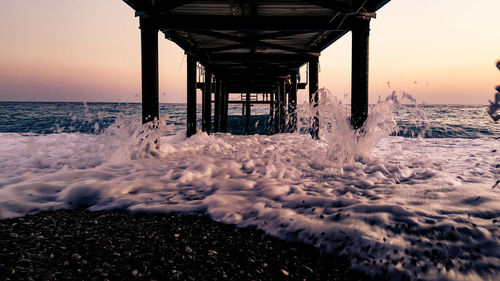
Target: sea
413 195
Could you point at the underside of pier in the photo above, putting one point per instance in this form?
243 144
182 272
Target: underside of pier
253 46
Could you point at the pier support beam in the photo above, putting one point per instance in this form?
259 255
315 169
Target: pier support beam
149 63
313 95
217 104
191 96
271 113
277 109
292 104
359 86
225 105
207 102
282 105
247 123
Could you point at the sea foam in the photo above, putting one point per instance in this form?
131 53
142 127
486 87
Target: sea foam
395 207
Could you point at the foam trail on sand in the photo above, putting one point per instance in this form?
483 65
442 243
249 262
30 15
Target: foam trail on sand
394 206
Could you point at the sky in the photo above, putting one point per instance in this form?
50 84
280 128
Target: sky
438 51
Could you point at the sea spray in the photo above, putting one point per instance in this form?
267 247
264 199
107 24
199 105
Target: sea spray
417 208
344 144
133 140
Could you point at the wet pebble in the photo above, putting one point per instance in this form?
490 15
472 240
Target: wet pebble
121 246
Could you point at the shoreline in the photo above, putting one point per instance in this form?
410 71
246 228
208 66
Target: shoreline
79 244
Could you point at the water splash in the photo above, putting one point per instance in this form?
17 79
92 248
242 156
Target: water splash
342 143
132 140
494 108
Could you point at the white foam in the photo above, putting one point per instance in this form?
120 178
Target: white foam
394 206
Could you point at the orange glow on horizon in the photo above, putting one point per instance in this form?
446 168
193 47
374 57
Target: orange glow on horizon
438 51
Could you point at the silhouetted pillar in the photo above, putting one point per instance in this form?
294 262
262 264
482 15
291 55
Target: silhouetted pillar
247 123
282 105
359 86
191 96
292 104
223 121
276 109
271 113
242 105
149 61
207 102
313 95
217 104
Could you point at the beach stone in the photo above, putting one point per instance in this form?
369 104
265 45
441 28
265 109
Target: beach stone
148 249
14 235
24 262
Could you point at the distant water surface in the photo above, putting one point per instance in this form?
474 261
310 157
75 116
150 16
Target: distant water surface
434 121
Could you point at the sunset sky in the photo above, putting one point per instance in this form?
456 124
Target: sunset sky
439 51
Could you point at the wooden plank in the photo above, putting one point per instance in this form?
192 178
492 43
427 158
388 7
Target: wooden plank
244 102
149 9
247 43
334 6
249 23
258 57
328 40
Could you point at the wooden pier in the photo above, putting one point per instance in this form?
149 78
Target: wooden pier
249 47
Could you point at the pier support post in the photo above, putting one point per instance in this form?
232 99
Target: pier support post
292 104
282 105
225 105
313 96
271 113
359 84
149 64
242 105
277 109
217 103
191 96
247 123
207 102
